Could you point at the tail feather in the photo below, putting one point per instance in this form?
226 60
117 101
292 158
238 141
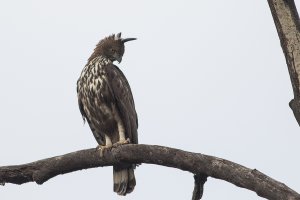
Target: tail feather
124 180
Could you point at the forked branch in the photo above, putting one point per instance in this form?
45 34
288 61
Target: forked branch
196 163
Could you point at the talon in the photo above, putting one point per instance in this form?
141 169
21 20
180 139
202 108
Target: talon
127 141
121 142
102 148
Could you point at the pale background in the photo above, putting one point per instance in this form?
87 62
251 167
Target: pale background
207 76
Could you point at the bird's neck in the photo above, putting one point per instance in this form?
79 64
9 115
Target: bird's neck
95 66
99 61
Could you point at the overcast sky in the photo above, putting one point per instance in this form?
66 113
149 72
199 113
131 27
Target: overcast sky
207 76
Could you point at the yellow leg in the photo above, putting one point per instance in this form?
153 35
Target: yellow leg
108 145
121 142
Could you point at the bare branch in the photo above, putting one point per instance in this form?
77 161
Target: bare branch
287 22
200 179
196 163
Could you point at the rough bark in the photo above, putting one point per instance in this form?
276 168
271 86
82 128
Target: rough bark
196 163
287 23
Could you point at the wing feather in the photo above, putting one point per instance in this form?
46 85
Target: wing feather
124 101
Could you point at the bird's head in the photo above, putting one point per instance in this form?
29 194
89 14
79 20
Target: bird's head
111 47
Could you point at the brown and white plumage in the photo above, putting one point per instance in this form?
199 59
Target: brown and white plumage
106 102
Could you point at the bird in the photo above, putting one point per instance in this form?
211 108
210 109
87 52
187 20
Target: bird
106 102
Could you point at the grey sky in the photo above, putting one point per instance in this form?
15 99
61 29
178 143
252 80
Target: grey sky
207 76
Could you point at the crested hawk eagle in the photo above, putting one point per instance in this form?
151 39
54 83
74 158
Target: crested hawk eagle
106 103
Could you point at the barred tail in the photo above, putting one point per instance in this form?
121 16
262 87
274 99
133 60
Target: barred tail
124 180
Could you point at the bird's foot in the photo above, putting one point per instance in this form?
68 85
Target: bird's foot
121 142
102 148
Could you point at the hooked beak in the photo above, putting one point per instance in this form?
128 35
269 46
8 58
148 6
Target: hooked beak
119 59
127 39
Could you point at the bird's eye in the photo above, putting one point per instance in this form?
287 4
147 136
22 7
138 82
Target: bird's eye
113 50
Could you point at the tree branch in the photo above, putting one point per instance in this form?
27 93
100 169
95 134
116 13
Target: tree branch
196 163
200 179
287 23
